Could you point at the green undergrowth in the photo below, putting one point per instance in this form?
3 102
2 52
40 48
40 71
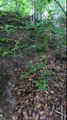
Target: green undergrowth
37 73
47 36
9 28
6 46
38 69
44 36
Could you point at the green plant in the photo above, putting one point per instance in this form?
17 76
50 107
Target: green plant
10 47
32 70
9 28
29 26
5 47
41 47
41 83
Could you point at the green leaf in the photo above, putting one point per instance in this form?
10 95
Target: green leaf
44 81
49 1
46 58
42 75
39 65
43 88
32 70
6 53
37 83
24 75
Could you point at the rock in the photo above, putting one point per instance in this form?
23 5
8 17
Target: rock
1 117
0 111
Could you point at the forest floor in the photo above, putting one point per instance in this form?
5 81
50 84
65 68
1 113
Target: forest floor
20 99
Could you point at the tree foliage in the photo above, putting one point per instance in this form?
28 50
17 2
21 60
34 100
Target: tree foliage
26 7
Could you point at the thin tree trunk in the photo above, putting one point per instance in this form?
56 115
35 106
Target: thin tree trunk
16 5
60 7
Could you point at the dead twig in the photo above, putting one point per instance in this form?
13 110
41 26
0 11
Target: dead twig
62 114
62 117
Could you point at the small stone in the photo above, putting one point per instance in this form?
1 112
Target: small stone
30 79
9 83
41 112
43 117
38 106
0 111
14 118
19 93
1 117
25 115
37 117
52 92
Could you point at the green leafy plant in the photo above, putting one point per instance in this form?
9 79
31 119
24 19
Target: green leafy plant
10 47
32 70
42 83
9 28
29 26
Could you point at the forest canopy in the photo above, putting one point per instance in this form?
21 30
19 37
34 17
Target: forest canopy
28 7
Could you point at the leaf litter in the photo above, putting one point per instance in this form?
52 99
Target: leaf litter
33 104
